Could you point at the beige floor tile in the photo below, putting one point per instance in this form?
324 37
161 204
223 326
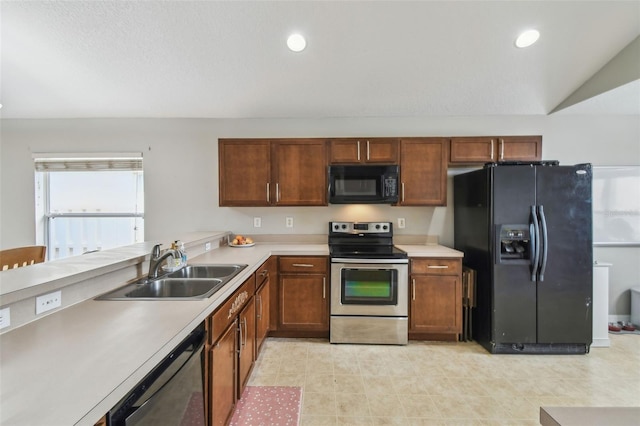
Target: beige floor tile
420 406
306 420
319 404
354 420
347 383
352 404
381 405
445 383
322 383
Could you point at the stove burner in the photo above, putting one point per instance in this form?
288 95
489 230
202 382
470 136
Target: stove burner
363 240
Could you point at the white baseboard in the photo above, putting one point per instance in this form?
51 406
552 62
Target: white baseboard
622 318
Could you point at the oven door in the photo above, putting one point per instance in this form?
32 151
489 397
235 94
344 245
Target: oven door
373 289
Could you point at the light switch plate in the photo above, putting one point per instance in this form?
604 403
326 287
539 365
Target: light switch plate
401 223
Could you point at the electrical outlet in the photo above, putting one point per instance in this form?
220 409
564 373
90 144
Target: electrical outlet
5 317
289 221
48 301
257 222
207 246
401 223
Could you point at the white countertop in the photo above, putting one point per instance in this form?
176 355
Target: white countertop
72 366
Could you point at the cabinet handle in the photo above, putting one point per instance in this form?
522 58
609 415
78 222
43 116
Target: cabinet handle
368 151
240 331
246 331
277 192
324 287
437 267
243 336
413 289
259 314
402 184
264 273
491 149
268 195
501 149
303 265
358 146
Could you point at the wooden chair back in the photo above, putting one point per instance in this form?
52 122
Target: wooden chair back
21 256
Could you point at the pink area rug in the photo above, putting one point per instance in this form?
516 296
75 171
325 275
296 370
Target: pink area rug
268 405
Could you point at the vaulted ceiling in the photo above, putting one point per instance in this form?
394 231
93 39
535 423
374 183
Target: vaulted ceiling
228 59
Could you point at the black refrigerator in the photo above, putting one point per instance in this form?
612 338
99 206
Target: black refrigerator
526 228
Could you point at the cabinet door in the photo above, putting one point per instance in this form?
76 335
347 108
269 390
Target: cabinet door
436 304
303 302
480 149
345 151
262 314
423 172
364 150
519 148
300 173
244 168
223 376
246 343
380 150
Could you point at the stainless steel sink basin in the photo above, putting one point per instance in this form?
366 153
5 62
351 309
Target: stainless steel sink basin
174 288
207 271
193 282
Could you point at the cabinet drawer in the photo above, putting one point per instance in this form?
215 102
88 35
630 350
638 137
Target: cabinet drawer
433 266
230 309
301 265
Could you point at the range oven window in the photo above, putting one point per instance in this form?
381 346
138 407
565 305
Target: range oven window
369 287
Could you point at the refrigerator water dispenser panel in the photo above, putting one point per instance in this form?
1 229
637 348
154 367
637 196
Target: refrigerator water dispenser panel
514 243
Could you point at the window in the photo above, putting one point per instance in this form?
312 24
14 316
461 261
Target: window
87 202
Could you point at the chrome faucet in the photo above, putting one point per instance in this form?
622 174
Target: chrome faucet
157 259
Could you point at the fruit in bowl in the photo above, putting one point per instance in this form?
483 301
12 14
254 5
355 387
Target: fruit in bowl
240 240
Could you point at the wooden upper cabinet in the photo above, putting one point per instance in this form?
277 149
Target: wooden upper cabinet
271 172
423 171
299 173
363 150
244 168
486 149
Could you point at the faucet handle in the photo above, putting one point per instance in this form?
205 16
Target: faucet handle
156 250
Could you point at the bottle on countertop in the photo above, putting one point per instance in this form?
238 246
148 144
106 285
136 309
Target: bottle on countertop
183 253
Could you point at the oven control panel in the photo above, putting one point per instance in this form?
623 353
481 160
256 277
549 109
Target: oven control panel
361 227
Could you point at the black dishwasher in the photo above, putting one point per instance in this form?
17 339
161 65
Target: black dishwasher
172 393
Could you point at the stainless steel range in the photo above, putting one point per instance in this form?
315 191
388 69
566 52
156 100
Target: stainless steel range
369 284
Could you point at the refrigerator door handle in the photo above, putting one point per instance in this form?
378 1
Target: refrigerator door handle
545 244
534 231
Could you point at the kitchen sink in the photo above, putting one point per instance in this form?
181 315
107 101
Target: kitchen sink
174 288
193 282
207 271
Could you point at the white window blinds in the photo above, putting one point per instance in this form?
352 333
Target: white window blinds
94 162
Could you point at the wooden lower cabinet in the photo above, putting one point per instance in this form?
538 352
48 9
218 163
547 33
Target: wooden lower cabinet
246 343
230 350
303 291
222 388
263 298
435 309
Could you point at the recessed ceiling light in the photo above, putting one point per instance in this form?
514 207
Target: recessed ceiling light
296 42
527 38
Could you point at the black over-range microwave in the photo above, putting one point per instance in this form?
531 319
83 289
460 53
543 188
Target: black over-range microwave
358 184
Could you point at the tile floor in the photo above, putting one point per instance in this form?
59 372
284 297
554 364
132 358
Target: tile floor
431 383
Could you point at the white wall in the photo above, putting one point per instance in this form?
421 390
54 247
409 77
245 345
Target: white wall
181 174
